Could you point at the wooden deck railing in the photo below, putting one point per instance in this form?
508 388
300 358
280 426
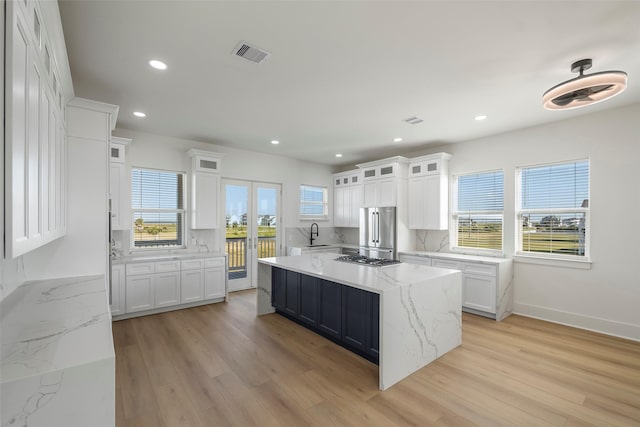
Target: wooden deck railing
236 250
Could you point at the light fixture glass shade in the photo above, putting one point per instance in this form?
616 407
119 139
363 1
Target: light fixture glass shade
617 80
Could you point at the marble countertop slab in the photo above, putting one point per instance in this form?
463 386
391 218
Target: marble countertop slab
369 278
458 257
131 259
52 325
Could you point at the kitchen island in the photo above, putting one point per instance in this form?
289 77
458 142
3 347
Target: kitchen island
419 317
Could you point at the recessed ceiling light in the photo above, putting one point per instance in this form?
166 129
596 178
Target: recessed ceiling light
158 65
338 155
274 142
481 117
397 139
139 114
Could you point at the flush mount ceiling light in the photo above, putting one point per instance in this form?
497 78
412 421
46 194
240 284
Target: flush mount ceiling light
139 114
585 89
158 65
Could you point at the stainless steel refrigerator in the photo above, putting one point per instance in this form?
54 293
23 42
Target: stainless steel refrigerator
378 232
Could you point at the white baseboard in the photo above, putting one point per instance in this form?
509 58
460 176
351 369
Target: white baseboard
604 326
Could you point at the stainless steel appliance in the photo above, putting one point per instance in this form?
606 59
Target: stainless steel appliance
363 260
378 232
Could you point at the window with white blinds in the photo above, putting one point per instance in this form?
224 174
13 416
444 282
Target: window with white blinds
553 210
478 211
313 202
157 203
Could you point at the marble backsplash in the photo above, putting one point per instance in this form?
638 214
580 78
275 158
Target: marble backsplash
432 240
299 236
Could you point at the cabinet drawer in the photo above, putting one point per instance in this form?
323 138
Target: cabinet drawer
140 268
167 266
193 264
443 263
481 269
214 262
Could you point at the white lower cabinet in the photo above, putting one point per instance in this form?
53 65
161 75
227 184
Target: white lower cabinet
117 290
140 293
215 278
480 293
142 286
167 289
192 286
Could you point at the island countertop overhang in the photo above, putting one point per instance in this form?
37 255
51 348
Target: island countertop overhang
369 278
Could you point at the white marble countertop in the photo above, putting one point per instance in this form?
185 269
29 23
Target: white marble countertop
130 259
368 278
51 325
457 257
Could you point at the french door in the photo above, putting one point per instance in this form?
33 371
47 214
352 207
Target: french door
252 231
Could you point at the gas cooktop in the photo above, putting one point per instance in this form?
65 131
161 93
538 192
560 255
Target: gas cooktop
363 260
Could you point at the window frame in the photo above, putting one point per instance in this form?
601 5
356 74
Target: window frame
181 231
455 214
519 253
325 204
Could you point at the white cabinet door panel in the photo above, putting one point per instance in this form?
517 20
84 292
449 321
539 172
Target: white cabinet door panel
205 204
355 203
167 289
140 293
416 203
192 286
214 283
479 292
370 197
117 290
387 192
116 177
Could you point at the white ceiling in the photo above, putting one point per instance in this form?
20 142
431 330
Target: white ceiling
343 75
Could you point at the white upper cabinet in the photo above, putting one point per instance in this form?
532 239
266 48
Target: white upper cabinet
205 189
382 180
35 135
428 192
119 184
347 198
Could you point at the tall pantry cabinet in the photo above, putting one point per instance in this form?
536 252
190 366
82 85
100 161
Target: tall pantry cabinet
37 86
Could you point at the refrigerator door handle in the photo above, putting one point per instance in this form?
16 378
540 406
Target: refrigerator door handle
376 236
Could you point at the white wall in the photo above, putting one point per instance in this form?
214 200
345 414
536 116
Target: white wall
607 296
164 152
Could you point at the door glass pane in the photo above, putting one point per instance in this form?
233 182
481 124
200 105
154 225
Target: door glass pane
267 214
236 229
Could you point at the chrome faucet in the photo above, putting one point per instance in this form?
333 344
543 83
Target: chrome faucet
311 239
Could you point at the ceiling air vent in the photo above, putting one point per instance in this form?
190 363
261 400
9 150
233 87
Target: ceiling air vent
413 120
250 53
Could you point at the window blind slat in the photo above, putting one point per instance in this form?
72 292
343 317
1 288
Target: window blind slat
479 210
161 191
553 211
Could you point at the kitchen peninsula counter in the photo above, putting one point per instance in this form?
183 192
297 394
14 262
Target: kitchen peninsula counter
57 355
420 307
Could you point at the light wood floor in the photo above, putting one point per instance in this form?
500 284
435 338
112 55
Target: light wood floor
221 365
